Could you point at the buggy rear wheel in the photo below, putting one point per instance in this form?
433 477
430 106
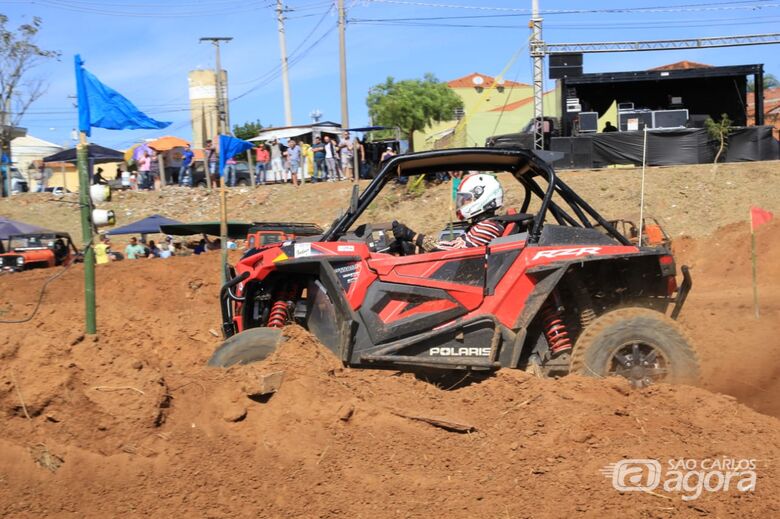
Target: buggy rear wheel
252 345
642 345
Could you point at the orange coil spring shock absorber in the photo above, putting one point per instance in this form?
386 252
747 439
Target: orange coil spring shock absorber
280 310
279 314
554 327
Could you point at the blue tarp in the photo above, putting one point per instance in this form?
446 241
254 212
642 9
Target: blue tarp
229 147
10 227
150 225
103 107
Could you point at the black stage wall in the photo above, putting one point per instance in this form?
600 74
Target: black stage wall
664 147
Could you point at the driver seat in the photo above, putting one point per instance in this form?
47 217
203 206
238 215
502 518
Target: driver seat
511 221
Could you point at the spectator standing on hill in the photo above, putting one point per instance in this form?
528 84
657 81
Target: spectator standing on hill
211 157
144 171
261 159
294 161
306 163
134 250
330 159
230 172
318 150
277 161
364 168
185 170
346 147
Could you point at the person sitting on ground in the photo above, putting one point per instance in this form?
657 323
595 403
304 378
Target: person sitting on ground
154 251
609 128
164 250
479 196
103 250
134 250
200 248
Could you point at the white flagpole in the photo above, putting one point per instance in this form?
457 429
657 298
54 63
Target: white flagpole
642 190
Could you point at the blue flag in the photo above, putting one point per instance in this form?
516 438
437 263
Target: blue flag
230 147
103 107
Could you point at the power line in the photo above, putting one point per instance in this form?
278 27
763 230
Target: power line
679 24
708 6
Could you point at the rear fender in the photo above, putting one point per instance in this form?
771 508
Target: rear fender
646 283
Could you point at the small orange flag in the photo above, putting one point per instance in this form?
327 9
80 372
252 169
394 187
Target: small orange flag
759 217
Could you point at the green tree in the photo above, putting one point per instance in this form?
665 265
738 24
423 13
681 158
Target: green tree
18 55
247 130
719 130
412 104
770 81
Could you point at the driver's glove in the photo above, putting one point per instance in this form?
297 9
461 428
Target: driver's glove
402 232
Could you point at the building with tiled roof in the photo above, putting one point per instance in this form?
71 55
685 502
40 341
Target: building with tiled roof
491 106
771 108
682 65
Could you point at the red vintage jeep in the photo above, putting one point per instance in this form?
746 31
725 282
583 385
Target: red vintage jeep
37 250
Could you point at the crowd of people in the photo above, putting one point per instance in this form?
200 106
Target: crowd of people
142 249
327 159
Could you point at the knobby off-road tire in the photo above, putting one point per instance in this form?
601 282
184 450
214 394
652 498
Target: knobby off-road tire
249 346
618 330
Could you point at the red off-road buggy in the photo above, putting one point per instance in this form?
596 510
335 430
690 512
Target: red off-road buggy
561 274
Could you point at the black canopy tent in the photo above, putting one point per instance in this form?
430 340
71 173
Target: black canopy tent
96 154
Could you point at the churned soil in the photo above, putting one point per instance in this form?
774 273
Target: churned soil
132 423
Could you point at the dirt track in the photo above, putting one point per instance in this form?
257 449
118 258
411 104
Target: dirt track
133 424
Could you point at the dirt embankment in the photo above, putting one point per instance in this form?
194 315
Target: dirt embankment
133 424
689 200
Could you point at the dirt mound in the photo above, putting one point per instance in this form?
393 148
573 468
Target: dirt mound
740 352
134 424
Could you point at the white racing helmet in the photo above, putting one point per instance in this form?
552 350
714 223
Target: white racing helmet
478 193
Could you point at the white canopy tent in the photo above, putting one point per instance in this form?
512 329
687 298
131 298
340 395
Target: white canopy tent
296 131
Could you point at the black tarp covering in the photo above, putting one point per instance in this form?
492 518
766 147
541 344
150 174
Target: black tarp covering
752 143
665 147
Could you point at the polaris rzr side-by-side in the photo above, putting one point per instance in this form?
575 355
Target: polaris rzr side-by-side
560 278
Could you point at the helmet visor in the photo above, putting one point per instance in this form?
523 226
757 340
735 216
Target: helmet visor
462 199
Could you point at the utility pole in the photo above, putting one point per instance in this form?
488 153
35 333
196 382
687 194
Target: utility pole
221 128
537 53
285 75
343 67
221 108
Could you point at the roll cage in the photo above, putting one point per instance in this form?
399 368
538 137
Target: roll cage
525 165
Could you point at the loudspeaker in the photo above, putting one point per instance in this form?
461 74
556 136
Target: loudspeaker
565 65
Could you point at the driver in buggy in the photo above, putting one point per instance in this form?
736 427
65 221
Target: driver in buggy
477 199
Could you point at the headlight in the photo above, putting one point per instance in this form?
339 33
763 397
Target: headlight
19 261
1 261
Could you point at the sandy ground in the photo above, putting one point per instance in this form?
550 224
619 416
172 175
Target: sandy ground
133 424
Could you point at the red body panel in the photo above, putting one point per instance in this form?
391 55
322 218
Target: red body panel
505 304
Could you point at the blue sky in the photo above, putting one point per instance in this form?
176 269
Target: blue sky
144 49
